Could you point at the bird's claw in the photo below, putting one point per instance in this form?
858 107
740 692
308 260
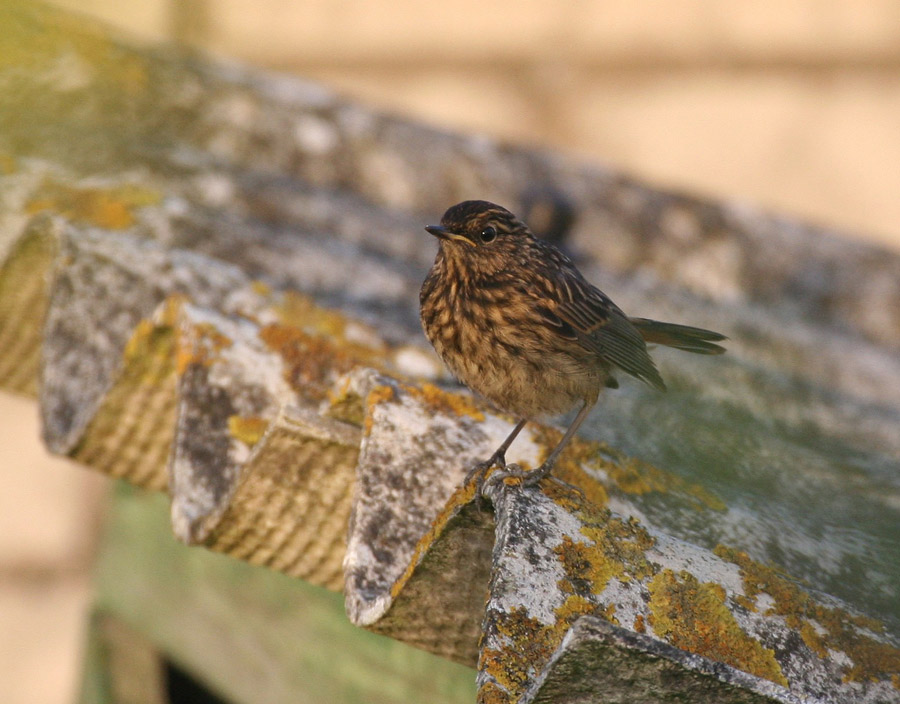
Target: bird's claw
479 473
527 477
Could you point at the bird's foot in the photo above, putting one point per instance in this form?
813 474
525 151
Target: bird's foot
529 477
480 471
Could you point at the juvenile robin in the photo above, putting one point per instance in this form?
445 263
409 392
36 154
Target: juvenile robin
516 322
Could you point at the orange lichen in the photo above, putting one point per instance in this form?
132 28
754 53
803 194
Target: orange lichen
247 429
446 402
570 465
311 361
529 645
639 626
380 394
872 660
616 549
587 570
111 208
199 344
745 602
692 615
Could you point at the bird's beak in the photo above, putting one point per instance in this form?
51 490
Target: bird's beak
442 233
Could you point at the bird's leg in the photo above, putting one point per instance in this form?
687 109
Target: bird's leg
497 459
532 477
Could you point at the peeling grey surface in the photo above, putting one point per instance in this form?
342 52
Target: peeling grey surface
99 294
403 479
104 284
242 379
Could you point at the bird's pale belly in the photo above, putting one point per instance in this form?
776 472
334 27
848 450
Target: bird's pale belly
527 383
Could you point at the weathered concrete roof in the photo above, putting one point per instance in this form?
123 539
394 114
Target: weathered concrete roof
209 277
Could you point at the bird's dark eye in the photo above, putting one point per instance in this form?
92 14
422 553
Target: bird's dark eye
488 234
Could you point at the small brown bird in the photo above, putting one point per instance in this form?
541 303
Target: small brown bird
514 320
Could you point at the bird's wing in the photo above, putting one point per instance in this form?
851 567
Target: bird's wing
585 314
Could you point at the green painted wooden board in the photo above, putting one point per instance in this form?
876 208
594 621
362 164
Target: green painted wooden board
249 633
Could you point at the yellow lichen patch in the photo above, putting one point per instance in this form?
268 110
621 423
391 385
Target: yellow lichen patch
627 474
261 288
871 659
311 361
617 549
748 604
571 609
490 693
358 340
149 351
300 311
530 643
692 615
634 476
587 568
446 402
346 405
68 50
111 208
380 394
247 429
529 646
608 612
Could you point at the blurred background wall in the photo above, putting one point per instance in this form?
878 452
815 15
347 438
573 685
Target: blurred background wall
794 105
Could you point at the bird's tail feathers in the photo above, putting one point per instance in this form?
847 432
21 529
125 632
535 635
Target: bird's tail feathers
681 337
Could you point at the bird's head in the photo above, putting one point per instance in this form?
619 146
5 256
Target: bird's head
482 234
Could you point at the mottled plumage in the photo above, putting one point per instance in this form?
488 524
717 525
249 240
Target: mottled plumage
514 320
